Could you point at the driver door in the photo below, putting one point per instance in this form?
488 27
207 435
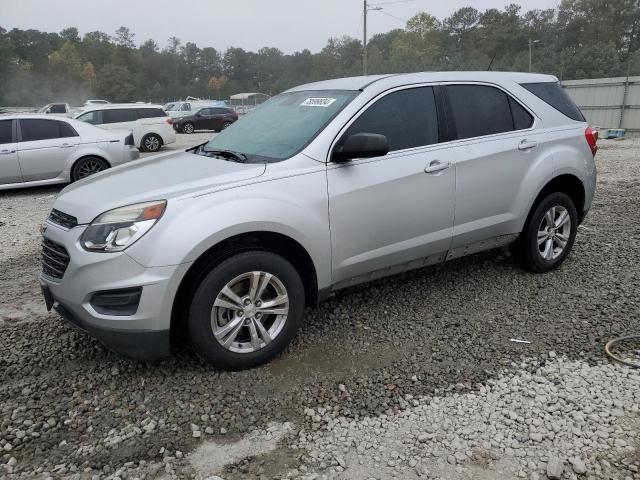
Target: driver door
394 212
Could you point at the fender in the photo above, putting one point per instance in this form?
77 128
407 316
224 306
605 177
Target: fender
267 206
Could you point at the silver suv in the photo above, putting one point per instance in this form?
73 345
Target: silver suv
322 187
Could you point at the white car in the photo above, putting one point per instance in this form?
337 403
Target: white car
96 102
41 149
151 126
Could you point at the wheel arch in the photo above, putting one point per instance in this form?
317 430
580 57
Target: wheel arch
277 243
565 183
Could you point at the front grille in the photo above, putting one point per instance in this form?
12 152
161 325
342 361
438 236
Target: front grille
63 219
55 259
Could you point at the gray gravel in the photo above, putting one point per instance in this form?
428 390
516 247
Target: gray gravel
416 346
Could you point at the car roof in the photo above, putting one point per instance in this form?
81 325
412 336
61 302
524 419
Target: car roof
391 80
43 116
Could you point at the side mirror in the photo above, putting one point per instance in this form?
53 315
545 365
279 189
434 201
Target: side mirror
361 145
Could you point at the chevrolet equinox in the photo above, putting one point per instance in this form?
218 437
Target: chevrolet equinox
324 186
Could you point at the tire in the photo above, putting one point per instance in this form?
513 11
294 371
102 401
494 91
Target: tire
86 167
559 239
210 310
188 128
151 142
226 125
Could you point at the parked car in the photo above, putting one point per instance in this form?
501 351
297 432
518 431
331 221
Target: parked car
182 109
46 149
208 118
56 108
322 187
89 103
151 126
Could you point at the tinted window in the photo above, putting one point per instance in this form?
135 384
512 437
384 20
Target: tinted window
150 113
521 118
553 94
58 108
220 111
67 130
408 118
479 110
118 115
94 118
206 111
5 131
35 129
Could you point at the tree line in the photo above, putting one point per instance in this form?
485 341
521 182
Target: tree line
579 39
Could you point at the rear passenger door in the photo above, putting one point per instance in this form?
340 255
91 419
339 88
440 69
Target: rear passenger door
388 211
44 147
9 166
498 142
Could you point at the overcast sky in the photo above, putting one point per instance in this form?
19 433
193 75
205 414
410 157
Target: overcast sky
289 25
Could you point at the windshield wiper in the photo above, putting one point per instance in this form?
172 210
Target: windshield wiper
237 156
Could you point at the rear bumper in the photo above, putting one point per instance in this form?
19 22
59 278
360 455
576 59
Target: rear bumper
139 345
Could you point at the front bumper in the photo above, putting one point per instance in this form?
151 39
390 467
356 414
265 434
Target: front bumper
142 335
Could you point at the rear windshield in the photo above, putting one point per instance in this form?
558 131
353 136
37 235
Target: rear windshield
553 94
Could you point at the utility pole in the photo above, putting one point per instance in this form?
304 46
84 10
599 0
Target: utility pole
365 10
531 42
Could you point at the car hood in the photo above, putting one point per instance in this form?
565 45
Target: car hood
161 177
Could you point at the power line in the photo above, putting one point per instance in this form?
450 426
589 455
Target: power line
390 3
393 16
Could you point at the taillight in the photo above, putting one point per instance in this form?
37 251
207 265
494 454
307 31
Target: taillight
591 134
170 120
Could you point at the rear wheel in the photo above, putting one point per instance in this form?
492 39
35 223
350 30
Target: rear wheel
226 125
151 142
549 234
246 310
188 128
87 166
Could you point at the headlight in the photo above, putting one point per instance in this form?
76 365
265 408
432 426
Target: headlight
120 228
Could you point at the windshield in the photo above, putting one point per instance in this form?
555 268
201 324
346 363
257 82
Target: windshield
283 125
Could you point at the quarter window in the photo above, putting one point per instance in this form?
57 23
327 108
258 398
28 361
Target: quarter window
67 130
150 113
479 110
408 118
5 131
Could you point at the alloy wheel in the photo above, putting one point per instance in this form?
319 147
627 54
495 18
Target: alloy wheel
250 312
89 167
188 128
152 143
554 232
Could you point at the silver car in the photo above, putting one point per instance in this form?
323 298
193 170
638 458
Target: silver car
47 149
323 186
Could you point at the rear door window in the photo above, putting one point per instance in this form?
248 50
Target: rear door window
67 130
521 118
408 118
33 129
6 127
58 108
119 115
479 110
553 94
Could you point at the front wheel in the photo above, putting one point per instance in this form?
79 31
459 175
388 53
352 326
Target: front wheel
246 310
549 234
188 128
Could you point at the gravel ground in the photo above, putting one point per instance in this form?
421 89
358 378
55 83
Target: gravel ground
411 376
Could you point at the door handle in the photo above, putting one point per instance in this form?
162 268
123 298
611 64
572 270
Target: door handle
7 152
527 144
437 166
66 145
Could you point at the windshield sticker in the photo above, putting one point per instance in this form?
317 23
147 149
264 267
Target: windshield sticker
317 102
